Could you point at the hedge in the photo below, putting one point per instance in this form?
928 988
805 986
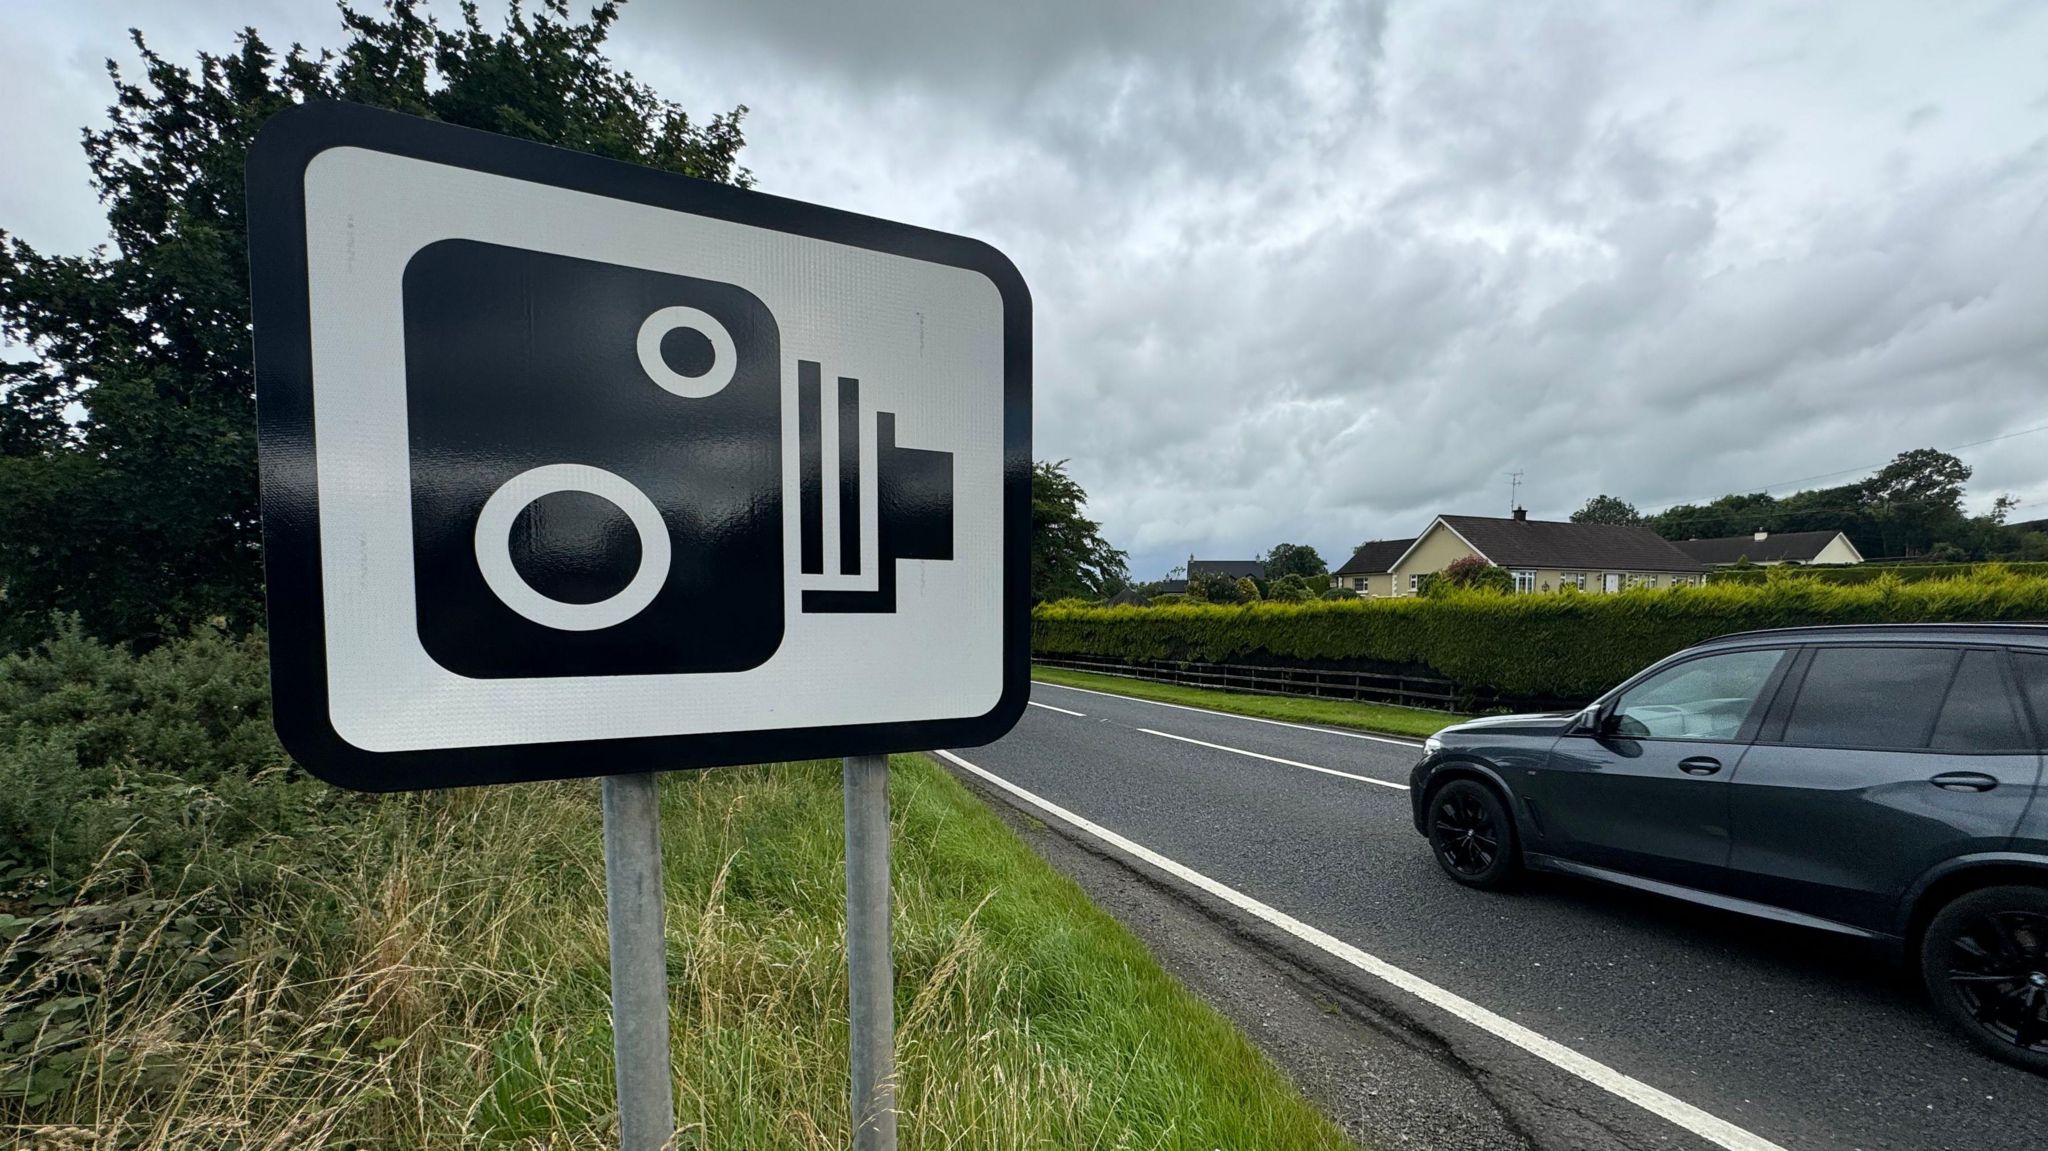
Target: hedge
1560 645
1870 573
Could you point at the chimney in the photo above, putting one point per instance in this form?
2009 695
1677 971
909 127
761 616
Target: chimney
1762 534
1521 515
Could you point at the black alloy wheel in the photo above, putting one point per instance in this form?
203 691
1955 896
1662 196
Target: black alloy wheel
1470 833
1985 961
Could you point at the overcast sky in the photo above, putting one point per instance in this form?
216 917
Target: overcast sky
1318 272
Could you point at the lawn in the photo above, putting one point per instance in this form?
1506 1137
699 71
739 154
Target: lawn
1409 721
239 957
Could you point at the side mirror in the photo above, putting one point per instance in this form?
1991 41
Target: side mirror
1594 721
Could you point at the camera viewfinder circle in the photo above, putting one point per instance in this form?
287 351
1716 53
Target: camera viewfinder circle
494 552
724 357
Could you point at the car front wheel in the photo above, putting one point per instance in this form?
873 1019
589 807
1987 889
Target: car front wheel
1985 961
1471 835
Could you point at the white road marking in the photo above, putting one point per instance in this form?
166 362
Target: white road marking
1709 1127
1448 721
1061 710
1275 759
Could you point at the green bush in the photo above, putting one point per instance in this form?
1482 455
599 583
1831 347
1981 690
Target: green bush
1551 645
140 762
1295 588
1469 572
1221 589
1868 573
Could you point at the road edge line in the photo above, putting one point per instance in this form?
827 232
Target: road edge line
1665 1106
1248 718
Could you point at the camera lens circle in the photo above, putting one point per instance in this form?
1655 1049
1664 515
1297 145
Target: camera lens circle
724 357
494 552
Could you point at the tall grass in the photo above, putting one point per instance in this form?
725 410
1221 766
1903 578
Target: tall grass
430 972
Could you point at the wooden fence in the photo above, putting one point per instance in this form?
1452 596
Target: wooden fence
1424 691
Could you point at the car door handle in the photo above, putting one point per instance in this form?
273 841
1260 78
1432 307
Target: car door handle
1699 765
1964 781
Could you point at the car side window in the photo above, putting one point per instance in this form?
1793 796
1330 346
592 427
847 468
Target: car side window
2033 673
1980 714
1705 698
1862 696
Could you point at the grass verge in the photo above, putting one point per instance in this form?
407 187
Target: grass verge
1409 721
430 971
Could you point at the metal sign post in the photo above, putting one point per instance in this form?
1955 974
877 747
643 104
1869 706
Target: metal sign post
574 467
870 982
639 954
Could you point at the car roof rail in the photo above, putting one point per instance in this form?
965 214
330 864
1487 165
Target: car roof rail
2011 629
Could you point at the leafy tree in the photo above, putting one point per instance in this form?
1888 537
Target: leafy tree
1471 572
1295 588
1916 503
127 440
1923 476
1730 515
1214 587
1606 509
1294 559
1069 557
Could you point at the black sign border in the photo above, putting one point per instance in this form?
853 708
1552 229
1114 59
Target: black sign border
280 309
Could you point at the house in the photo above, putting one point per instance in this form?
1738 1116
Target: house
1368 570
1767 550
1544 555
1128 597
1234 569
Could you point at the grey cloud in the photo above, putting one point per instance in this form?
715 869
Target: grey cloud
1316 271
997 52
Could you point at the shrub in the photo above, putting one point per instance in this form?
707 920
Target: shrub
1221 589
1562 646
1295 589
1473 573
147 758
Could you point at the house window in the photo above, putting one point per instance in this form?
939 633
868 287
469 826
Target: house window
1357 583
1650 580
1572 580
1415 583
1525 581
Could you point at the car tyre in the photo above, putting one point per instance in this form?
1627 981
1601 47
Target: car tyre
1472 835
1984 958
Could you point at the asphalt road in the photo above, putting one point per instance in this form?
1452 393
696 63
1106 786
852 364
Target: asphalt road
1801 1039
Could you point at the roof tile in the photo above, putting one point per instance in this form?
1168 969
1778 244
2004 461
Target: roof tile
1569 546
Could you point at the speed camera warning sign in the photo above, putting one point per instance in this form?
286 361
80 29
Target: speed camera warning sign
573 467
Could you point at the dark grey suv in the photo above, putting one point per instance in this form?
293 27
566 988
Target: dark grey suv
1879 781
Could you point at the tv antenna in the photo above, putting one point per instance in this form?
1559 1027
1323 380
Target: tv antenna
1514 490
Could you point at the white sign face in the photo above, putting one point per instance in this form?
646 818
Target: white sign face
572 467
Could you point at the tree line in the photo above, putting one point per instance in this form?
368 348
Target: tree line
1912 508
